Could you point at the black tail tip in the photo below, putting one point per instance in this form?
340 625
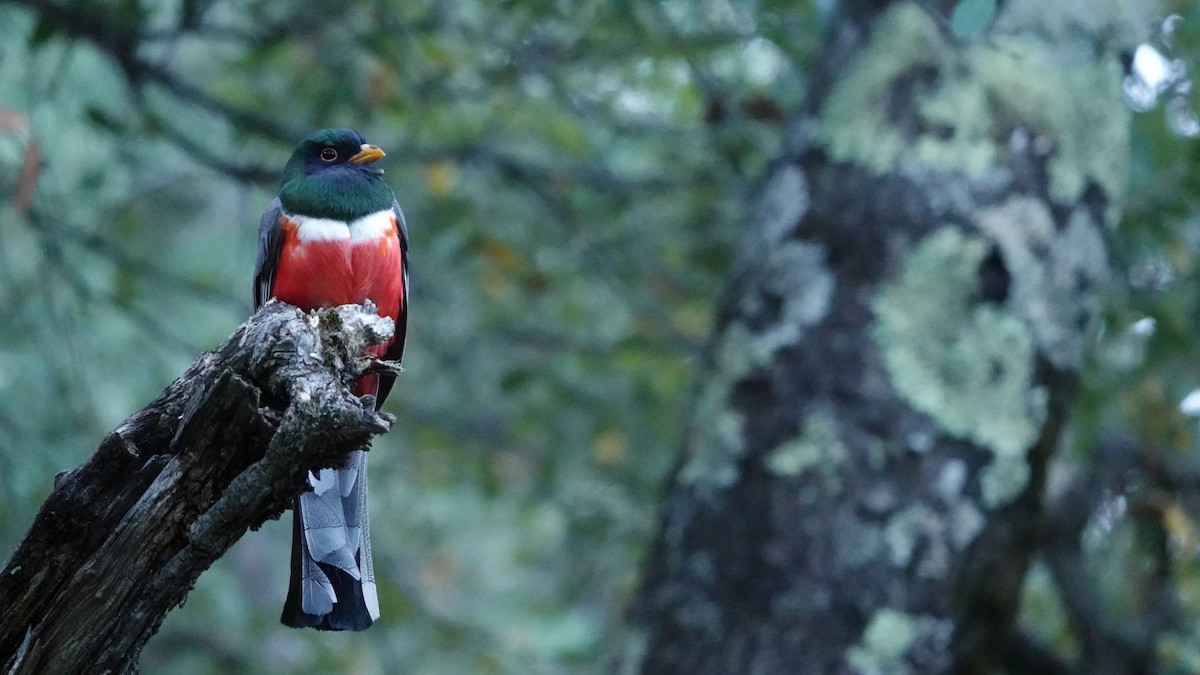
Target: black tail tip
336 620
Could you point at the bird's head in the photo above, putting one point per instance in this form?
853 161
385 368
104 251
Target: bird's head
332 174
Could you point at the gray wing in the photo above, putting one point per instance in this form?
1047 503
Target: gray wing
270 241
403 228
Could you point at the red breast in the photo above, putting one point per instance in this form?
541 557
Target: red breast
325 263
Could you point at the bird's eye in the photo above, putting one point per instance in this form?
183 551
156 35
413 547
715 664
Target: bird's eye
329 154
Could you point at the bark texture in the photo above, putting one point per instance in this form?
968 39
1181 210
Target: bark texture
860 487
121 539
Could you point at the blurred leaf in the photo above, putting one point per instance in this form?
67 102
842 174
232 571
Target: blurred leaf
609 447
439 176
1180 526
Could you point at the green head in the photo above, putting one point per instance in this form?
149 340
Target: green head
332 174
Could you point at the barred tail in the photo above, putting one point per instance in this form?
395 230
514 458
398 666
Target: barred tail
332 583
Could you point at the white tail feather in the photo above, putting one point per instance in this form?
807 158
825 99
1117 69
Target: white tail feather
334 521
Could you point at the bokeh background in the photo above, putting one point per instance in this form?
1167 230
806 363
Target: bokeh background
575 175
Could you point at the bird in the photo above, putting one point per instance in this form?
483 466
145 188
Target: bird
335 235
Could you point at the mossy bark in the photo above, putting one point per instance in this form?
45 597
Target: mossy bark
860 486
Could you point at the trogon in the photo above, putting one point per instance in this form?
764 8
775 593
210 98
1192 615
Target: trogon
335 235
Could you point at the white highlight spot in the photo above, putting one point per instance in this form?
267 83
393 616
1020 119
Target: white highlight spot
1152 67
1151 75
1190 405
1143 327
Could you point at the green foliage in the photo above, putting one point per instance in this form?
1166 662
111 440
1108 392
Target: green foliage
575 176
572 200
970 17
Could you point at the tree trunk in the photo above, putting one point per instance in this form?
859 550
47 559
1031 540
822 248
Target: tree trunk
121 540
860 487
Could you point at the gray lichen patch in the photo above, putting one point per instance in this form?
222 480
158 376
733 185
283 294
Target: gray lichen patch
782 203
906 528
715 442
949 123
965 363
1054 91
855 126
817 447
1084 25
1056 273
915 101
1003 479
937 533
958 113
887 639
858 543
794 273
965 521
951 480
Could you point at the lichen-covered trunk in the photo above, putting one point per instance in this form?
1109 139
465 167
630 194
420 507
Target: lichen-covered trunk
860 486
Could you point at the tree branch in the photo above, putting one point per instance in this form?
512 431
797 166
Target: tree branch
121 539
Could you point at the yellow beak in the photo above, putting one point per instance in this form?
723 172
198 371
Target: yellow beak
369 153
